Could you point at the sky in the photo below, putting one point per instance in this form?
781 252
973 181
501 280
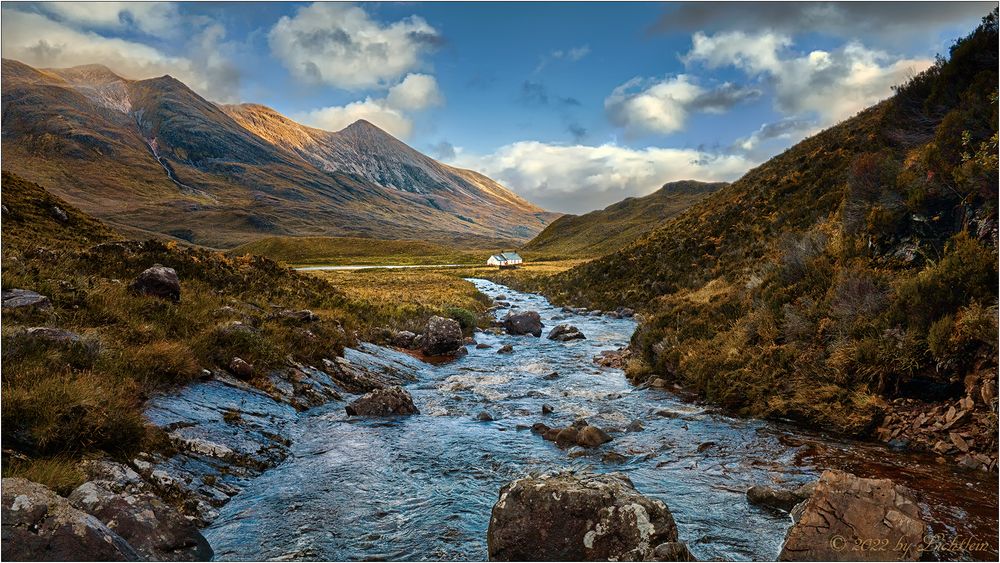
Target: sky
574 106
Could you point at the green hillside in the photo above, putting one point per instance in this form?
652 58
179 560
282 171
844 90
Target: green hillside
599 232
857 267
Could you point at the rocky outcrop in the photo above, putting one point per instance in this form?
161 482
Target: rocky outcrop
158 281
616 359
241 368
124 502
383 402
565 333
442 337
960 430
24 299
527 322
569 517
848 518
39 525
779 499
403 339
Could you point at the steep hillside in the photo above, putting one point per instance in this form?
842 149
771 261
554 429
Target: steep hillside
153 155
851 277
599 232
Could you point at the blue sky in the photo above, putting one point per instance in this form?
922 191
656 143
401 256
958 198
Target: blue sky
572 105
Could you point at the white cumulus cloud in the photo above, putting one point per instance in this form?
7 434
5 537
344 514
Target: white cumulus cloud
578 178
159 19
340 45
647 106
415 92
830 84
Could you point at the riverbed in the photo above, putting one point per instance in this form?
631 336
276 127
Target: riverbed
422 487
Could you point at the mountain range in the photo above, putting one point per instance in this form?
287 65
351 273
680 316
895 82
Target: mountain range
154 156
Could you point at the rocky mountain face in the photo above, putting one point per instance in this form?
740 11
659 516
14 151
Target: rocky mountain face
606 230
153 155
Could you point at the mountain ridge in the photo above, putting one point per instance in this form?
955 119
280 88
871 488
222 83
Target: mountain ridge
154 155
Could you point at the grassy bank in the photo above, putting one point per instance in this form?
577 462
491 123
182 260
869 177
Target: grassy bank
63 400
338 251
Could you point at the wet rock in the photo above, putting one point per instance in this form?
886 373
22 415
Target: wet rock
539 428
551 376
704 446
779 499
506 349
570 517
442 337
528 322
24 299
591 437
500 297
469 341
39 525
484 417
613 457
616 359
154 529
383 402
241 368
635 426
625 312
158 281
566 437
547 409
854 509
483 346
403 339
565 333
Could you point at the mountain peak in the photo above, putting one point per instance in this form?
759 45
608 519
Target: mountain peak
364 127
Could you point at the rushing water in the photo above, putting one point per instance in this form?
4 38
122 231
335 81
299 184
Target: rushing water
422 487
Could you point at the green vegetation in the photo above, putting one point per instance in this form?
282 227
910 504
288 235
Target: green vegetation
405 299
600 232
858 266
334 251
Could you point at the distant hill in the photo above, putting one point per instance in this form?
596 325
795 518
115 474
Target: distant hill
855 268
599 232
153 155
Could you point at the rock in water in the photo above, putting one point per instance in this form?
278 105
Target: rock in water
845 510
528 322
591 437
442 337
565 333
506 349
154 529
780 499
572 517
403 339
39 525
24 299
383 402
158 281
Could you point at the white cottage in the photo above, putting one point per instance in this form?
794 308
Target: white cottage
505 260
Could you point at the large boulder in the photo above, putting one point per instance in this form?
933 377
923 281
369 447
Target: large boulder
154 529
846 512
573 517
527 322
383 402
24 299
403 339
565 333
158 281
442 337
39 525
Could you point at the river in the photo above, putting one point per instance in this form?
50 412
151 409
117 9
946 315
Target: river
422 487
